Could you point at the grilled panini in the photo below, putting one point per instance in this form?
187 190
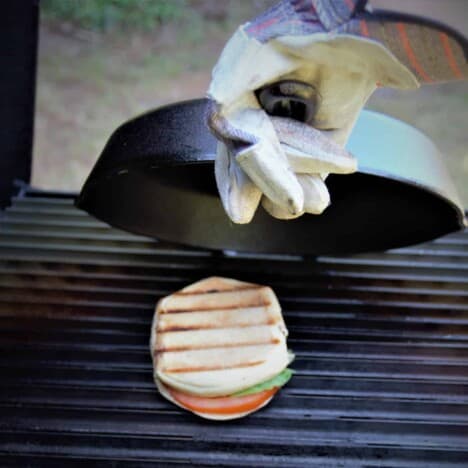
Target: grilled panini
217 337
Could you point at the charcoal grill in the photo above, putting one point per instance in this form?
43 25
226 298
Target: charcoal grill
381 338
381 342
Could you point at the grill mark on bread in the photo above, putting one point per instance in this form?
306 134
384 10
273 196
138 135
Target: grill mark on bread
258 303
216 290
160 351
177 370
175 328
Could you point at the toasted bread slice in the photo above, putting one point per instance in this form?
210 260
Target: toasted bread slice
218 336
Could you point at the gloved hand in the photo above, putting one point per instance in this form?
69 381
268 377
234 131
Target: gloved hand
283 100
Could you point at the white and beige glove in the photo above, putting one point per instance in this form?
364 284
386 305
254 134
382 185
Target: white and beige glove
283 99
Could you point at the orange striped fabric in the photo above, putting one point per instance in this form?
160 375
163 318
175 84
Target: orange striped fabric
431 53
449 55
364 29
410 53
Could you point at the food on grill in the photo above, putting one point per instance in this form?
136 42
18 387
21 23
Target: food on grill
219 347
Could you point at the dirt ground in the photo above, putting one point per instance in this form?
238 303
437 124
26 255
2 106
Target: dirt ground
88 84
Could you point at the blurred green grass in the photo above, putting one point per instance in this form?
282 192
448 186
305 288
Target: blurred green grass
92 79
105 15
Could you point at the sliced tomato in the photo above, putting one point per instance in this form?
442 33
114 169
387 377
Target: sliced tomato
222 405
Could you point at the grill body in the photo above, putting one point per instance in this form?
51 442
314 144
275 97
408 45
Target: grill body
381 342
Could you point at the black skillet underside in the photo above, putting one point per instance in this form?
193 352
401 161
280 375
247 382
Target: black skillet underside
155 177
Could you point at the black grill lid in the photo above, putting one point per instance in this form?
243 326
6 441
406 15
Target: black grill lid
155 177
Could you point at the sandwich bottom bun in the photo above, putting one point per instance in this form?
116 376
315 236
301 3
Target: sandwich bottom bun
215 338
163 390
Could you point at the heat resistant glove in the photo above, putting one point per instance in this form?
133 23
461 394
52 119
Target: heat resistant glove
288 88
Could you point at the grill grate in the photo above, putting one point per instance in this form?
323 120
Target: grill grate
381 342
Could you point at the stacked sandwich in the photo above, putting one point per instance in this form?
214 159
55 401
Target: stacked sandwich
219 348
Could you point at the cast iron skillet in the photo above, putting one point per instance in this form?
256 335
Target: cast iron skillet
155 177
